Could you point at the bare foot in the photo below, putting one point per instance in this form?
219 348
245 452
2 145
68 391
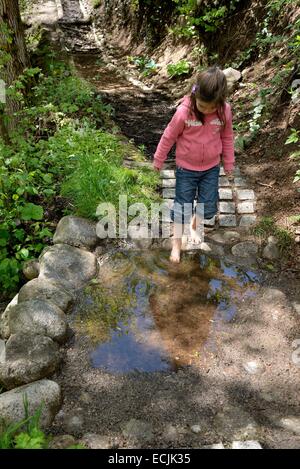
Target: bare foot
195 237
176 248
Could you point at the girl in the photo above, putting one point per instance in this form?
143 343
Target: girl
202 130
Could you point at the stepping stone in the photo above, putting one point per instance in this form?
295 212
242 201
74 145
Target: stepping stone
224 181
167 173
245 207
227 207
250 444
239 181
245 194
168 193
247 220
245 249
227 220
168 182
237 171
225 194
222 171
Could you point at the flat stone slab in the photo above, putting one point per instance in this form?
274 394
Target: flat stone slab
245 249
169 182
247 220
245 207
168 193
245 194
224 181
167 173
225 194
222 171
240 182
227 220
227 207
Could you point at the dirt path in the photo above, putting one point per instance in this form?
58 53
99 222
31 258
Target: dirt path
245 388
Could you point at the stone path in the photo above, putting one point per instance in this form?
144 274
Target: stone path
237 201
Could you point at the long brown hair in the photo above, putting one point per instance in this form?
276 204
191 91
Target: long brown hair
211 86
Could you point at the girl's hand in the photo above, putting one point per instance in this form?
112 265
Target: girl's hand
229 174
155 168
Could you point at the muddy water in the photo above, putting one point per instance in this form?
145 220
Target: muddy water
147 315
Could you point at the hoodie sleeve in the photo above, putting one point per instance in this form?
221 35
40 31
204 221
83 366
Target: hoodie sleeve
227 138
169 137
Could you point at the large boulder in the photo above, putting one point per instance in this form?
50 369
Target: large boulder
68 264
47 289
46 393
76 231
40 317
232 77
4 327
28 357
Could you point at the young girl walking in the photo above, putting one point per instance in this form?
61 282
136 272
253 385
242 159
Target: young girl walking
202 130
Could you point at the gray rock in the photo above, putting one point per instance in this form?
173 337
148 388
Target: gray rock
94 441
227 207
68 264
45 392
291 424
245 249
168 193
227 220
40 317
47 289
250 444
76 231
74 422
62 442
2 351
168 182
4 318
225 194
224 181
167 173
138 430
31 269
196 429
247 220
271 252
245 207
239 181
29 357
253 367
232 77
226 237
245 194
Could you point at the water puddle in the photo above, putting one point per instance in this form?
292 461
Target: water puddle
145 314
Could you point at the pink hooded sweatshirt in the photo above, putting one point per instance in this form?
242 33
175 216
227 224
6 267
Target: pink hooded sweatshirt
198 146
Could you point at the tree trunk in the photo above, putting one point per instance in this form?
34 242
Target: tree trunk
13 55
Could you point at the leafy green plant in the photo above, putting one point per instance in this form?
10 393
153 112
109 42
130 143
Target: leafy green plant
267 227
180 68
294 137
146 65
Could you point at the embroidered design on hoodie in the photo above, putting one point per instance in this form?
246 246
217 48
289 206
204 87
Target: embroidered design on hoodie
191 123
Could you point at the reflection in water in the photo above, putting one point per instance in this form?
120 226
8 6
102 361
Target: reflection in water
147 314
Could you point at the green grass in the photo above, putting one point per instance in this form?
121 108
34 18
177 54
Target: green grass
267 227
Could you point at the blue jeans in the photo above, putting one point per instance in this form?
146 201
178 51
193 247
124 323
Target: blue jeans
191 184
